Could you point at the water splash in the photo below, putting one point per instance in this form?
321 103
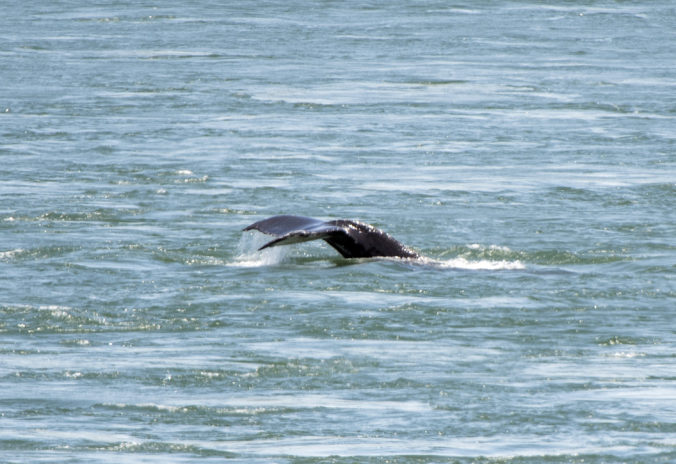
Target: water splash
249 256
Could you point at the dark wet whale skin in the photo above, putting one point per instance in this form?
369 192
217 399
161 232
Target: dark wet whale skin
352 239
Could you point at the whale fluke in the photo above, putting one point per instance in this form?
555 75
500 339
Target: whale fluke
352 239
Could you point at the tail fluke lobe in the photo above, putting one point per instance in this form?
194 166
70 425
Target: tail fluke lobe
352 239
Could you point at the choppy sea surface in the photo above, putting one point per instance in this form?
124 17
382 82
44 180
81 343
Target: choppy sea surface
526 149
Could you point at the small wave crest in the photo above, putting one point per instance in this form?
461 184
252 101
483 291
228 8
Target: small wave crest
480 258
10 254
480 265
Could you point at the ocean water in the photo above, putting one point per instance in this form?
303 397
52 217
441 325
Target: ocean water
526 149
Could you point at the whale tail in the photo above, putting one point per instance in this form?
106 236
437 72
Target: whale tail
352 239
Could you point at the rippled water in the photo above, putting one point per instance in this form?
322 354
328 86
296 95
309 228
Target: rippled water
526 151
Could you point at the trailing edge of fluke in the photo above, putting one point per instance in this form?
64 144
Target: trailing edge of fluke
352 239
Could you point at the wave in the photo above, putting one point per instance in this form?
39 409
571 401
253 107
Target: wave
540 257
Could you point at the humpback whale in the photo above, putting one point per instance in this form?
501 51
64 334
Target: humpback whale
352 239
